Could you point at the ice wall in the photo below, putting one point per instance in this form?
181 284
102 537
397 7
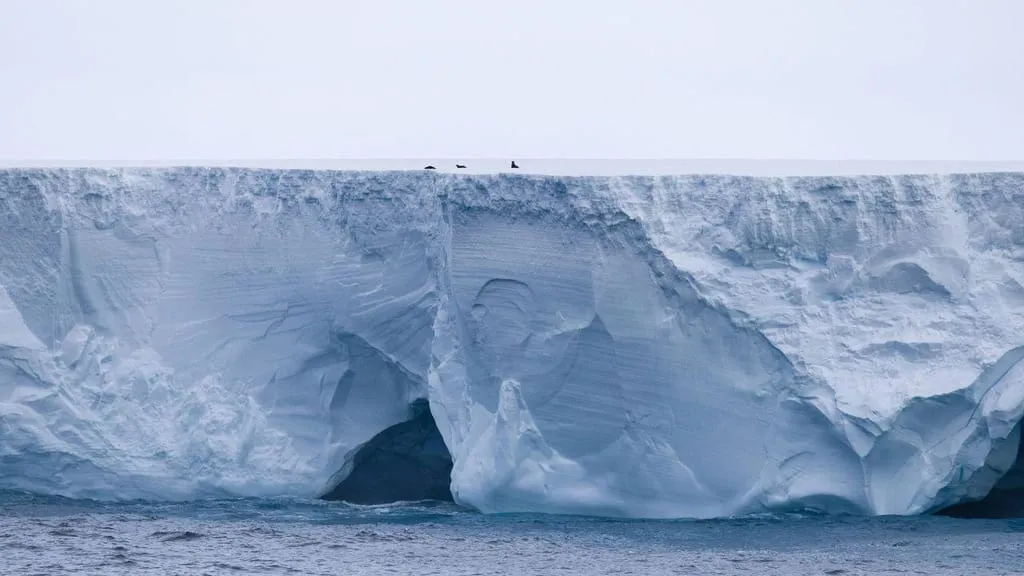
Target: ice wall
637 346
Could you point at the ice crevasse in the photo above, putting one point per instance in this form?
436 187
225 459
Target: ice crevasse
688 346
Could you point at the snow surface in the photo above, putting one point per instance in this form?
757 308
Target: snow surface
650 346
566 166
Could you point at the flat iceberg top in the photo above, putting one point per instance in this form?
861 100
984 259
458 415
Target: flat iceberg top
569 167
627 345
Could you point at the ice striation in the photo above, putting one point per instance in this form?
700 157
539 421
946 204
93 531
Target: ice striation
691 346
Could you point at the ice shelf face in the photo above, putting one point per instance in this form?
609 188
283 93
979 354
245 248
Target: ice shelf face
693 346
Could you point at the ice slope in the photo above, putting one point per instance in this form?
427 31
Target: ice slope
633 346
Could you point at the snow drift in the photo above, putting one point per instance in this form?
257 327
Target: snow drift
693 346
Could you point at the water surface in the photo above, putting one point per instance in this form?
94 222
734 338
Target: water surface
43 535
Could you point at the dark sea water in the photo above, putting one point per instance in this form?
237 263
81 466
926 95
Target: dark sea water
55 536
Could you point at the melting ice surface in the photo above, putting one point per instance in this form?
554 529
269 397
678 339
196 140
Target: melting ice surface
644 346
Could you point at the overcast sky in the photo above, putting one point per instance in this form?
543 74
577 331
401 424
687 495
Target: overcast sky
822 79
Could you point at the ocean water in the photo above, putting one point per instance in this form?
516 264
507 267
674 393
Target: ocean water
43 535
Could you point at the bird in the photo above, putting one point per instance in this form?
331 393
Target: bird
429 168
460 165
514 165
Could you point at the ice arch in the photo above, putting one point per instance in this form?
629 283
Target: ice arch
405 462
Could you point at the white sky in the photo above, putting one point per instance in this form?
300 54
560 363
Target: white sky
215 79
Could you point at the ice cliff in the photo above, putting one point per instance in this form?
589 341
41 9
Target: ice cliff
691 346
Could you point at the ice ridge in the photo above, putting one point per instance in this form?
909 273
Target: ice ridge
656 346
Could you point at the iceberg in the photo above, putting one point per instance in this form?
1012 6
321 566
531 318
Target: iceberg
636 346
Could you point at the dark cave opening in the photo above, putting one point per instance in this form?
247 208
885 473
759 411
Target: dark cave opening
1005 500
406 462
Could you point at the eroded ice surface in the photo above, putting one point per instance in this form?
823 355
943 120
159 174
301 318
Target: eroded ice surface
637 346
